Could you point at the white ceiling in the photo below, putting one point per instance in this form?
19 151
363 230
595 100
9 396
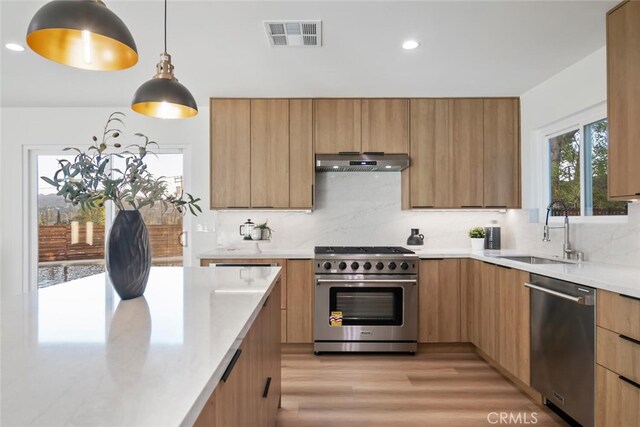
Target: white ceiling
473 48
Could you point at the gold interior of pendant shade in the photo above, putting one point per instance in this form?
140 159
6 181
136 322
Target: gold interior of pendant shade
164 110
69 47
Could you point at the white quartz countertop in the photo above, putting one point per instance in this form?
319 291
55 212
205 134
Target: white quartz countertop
242 253
614 278
75 354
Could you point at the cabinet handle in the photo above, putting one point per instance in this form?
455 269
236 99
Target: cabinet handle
628 381
267 300
262 207
313 196
267 386
629 297
234 359
503 266
626 338
637 194
421 207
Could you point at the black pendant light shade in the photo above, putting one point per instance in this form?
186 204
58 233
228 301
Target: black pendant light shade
163 96
83 34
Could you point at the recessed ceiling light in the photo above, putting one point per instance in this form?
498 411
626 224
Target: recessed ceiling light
410 44
15 47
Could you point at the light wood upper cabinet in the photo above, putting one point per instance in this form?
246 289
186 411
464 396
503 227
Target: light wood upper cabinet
439 301
385 125
269 153
301 161
467 118
337 125
623 100
230 153
300 301
501 153
431 172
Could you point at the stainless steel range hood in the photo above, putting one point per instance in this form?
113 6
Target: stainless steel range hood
356 162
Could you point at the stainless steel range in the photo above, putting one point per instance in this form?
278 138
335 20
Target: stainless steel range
366 299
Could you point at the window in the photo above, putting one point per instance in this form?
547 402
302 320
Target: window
577 160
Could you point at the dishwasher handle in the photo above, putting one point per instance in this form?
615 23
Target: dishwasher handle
577 300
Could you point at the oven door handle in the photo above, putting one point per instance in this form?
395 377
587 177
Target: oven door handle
409 281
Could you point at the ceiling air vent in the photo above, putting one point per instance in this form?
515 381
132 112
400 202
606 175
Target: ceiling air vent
294 33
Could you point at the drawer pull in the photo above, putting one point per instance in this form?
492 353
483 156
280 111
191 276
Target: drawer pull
629 297
267 386
624 337
628 381
234 359
266 301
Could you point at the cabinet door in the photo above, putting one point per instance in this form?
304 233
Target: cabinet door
513 322
468 161
230 153
471 282
337 125
269 153
501 153
431 151
301 162
623 100
617 401
488 310
385 125
299 301
439 301
272 357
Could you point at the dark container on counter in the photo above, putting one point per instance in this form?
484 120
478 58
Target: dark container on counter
492 236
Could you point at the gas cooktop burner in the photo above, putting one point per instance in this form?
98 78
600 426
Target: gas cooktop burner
362 250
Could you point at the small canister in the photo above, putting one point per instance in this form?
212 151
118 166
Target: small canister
492 236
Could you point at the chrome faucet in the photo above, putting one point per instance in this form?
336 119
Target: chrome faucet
567 250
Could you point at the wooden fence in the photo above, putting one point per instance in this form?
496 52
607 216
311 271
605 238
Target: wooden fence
54 242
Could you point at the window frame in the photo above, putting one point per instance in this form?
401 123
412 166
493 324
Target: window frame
575 122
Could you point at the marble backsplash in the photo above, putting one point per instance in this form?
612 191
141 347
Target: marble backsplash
363 208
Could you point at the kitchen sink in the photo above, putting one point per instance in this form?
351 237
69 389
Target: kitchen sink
535 260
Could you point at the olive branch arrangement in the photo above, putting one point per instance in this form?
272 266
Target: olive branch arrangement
87 182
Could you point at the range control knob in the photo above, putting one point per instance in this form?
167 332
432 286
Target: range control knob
379 266
342 265
392 265
327 265
404 266
354 265
367 265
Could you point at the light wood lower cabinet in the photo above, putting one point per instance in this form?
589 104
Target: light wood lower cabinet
487 310
617 401
513 322
439 301
249 394
300 301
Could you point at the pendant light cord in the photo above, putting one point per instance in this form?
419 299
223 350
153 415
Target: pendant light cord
165 26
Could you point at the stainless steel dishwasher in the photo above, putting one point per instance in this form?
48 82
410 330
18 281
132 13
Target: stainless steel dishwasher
563 346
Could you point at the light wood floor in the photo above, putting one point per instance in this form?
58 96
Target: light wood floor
445 389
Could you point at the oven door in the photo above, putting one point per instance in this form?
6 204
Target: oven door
355 308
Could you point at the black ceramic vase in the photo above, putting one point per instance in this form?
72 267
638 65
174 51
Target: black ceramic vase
128 254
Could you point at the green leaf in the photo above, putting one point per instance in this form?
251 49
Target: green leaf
49 181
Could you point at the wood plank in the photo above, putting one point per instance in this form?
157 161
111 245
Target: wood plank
467 139
501 169
623 100
230 145
337 125
385 125
269 153
439 301
301 161
446 389
487 315
299 301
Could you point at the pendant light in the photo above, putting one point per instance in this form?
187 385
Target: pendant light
83 34
163 96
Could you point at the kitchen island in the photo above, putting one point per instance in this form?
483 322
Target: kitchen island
75 354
